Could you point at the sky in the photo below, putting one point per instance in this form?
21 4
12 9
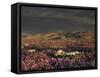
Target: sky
47 19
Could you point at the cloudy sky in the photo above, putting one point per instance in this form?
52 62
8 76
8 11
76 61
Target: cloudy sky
46 19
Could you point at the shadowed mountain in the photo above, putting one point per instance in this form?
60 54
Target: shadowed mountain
64 35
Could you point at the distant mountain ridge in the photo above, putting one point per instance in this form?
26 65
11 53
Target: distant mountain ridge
61 35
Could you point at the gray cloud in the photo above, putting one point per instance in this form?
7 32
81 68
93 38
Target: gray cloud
44 19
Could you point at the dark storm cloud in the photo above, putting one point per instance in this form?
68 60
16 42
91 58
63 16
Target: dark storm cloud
36 19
